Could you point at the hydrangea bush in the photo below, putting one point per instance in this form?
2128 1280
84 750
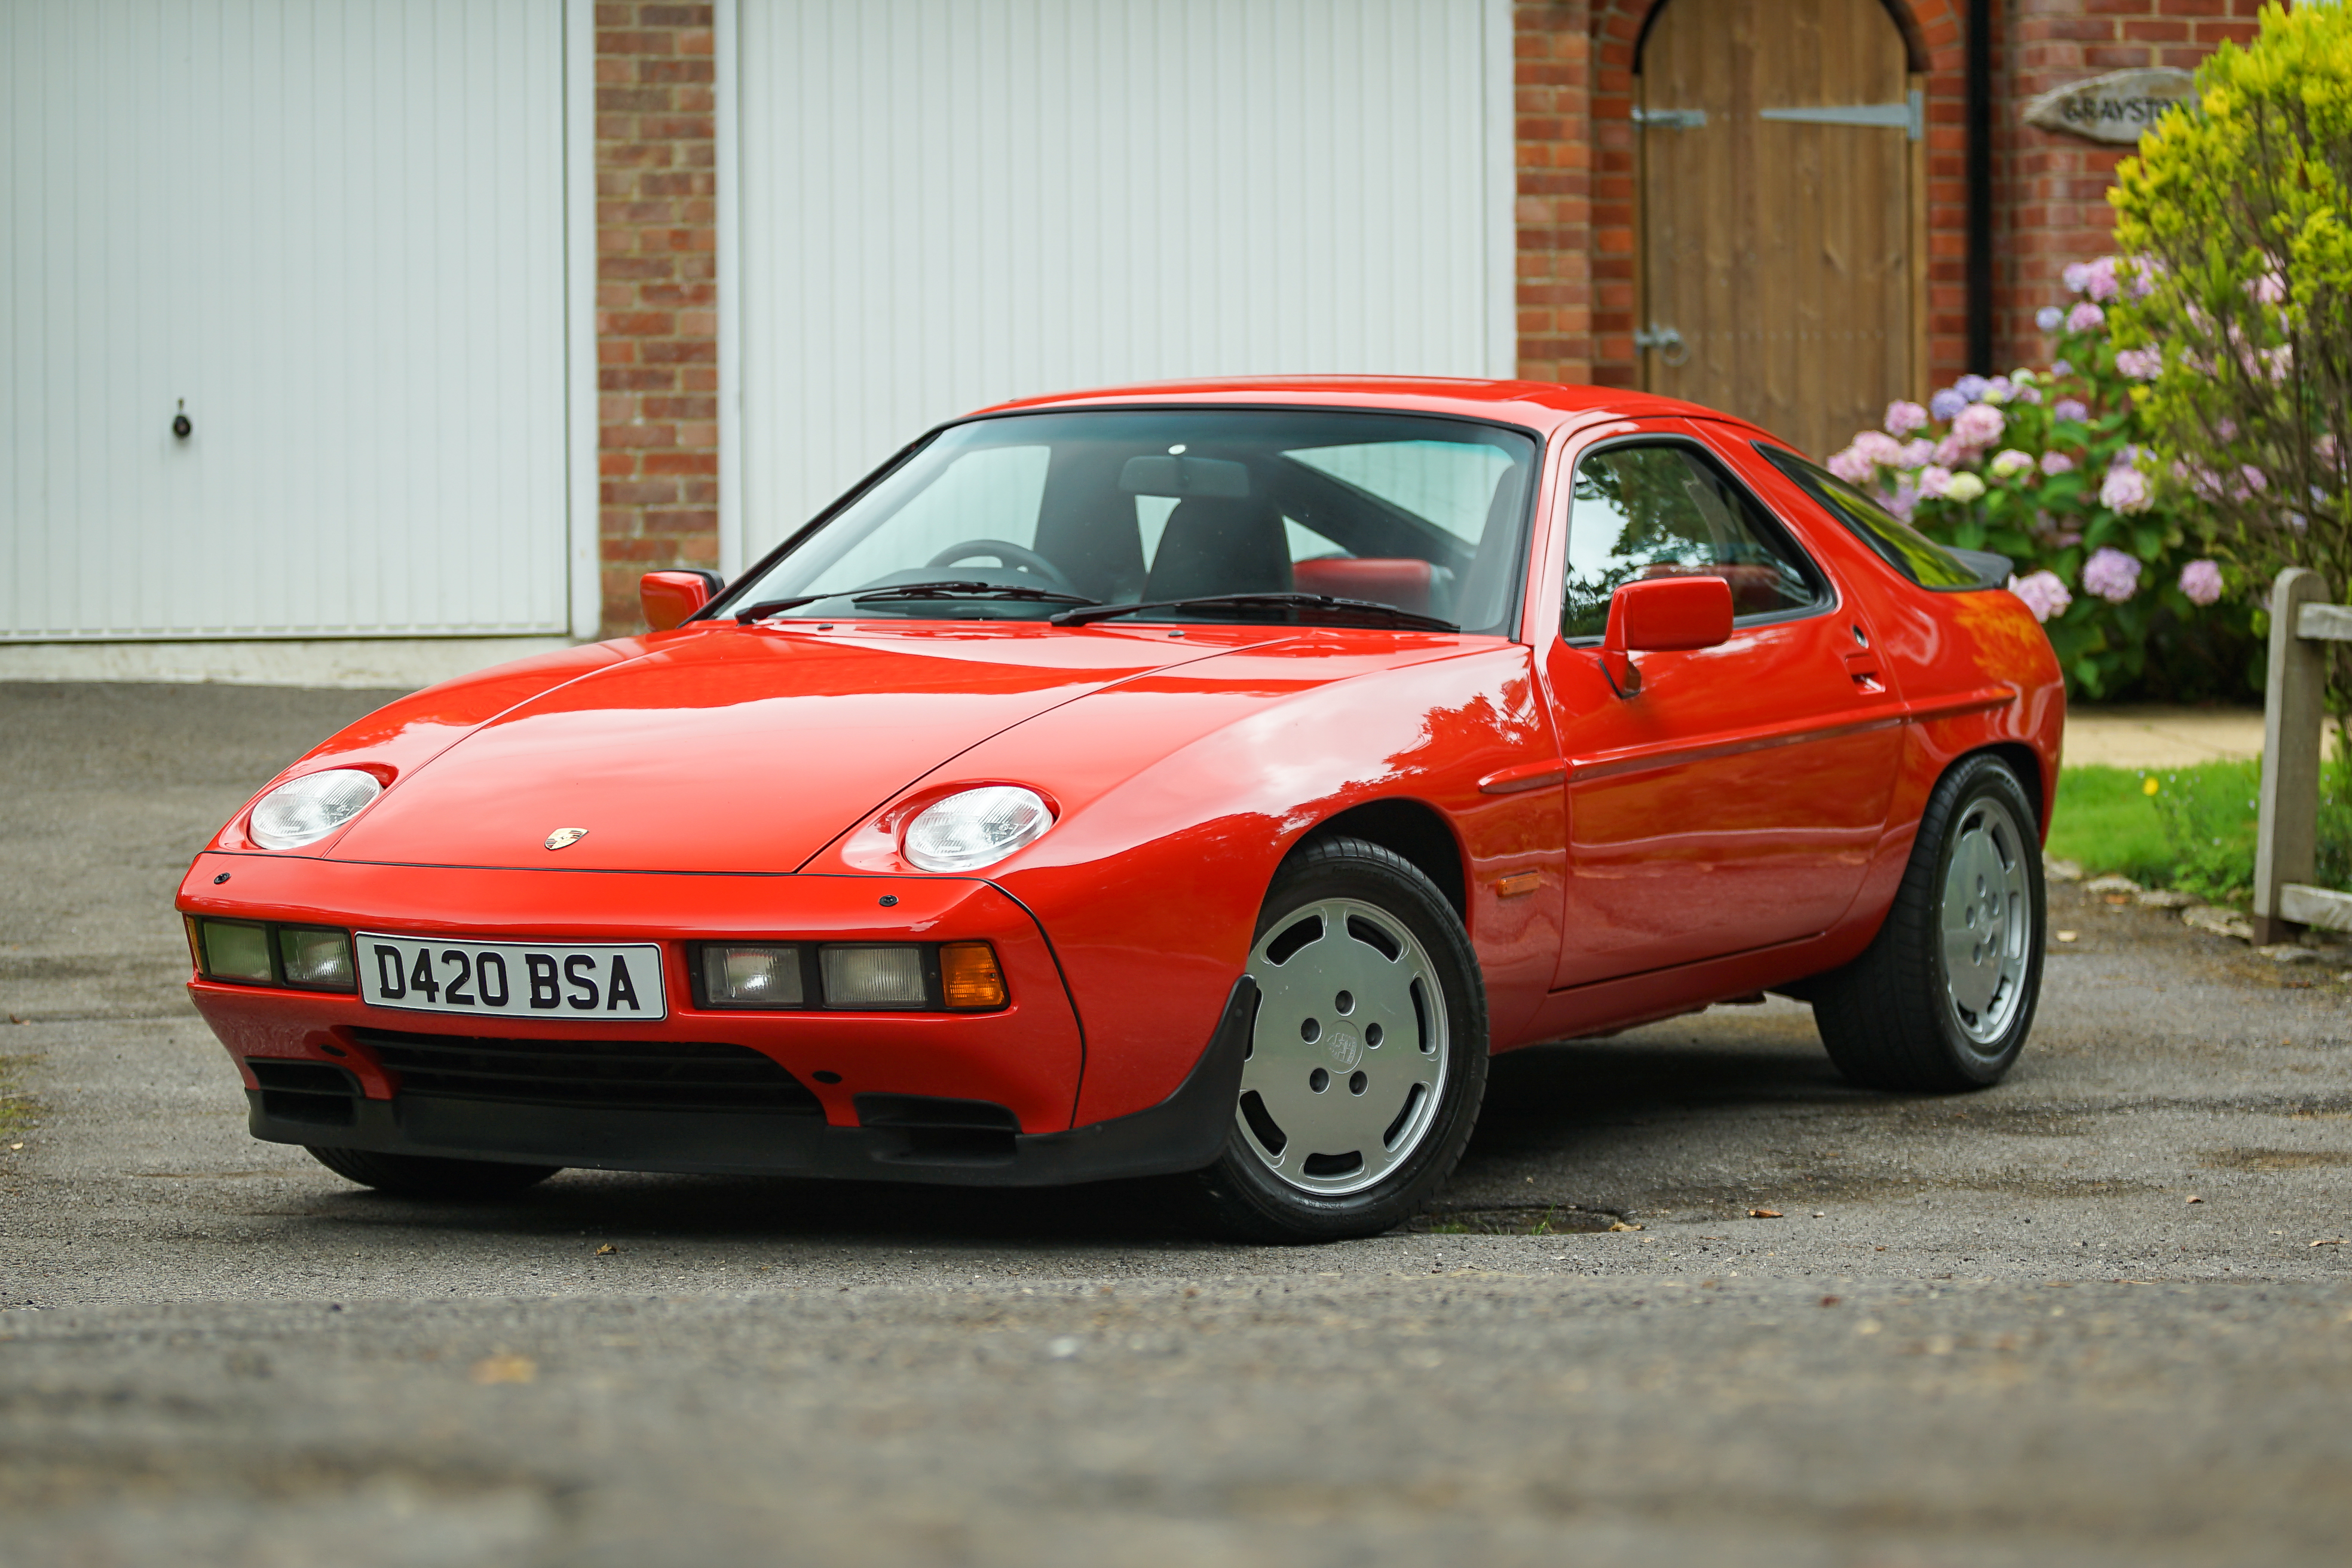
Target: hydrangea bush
2050 468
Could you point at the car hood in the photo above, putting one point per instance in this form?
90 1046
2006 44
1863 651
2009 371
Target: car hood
740 750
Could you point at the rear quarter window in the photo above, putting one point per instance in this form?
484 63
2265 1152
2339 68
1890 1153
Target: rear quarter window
1894 541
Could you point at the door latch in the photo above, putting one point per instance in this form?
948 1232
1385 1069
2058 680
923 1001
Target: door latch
1669 343
1670 119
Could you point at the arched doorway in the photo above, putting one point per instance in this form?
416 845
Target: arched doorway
1782 261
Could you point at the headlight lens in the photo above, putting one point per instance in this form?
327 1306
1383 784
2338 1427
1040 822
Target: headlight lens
751 976
306 956
976 828
874 977
305 810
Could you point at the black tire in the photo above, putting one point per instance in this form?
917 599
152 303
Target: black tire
423 1177
1434 1040
1900 1016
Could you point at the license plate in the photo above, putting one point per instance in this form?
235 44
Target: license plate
512 979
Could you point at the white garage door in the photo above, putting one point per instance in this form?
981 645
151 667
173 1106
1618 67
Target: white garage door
948 202
333 231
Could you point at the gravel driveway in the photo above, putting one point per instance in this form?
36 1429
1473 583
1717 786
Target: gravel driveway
2080 1319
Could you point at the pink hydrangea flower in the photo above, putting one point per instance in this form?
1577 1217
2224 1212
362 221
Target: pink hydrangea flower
2140 365
2099 278
2043 594
1903 418
2078 277
2083 316
1952 452
2068 408
2057 463
2111 575
2255 479
1978 425
2201 581
2124 490
1933 479
1919 451
1851 466
2010 464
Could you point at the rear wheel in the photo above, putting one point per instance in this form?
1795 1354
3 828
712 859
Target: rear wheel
423 1177
1945 995
1367 1059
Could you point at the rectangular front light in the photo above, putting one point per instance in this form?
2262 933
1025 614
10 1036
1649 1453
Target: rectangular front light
875 976
234 951
969 978
751 976
315 957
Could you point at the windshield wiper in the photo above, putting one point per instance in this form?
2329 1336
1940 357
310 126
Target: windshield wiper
1323 603
959 588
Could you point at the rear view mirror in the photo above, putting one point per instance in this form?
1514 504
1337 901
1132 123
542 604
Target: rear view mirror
670 599
1661 614
1211 477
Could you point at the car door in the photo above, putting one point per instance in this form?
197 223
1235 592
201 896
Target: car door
1733 801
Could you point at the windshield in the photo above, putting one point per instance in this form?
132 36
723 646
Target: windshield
1023 517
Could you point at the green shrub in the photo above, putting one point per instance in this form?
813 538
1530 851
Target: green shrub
2236 216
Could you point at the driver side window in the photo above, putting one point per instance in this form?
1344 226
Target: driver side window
1665 509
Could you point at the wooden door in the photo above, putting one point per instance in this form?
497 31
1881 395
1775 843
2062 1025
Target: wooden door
1779 160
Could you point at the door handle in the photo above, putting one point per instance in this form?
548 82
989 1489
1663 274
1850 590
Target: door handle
1862 663
1669 343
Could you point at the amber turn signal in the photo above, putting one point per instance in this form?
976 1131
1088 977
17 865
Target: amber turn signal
969 978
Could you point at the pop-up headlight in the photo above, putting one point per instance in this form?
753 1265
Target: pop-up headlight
305 810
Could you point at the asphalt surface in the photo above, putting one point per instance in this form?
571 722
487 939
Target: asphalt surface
2079 1319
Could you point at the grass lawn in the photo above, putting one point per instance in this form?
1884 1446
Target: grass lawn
2107 819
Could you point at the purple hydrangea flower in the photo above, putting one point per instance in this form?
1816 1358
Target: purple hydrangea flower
2084 316
2124 490
2057 463
2201 581
2043 594
2061 367
2068 408
2140 365
2048 317
1971 386
2111 575
2078 277
1947 403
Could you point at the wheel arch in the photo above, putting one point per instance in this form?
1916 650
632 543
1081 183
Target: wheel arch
2027 765
1415 830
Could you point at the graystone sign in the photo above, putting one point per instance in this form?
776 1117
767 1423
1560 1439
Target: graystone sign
2113 107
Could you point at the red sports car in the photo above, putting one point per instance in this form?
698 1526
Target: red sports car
1192 779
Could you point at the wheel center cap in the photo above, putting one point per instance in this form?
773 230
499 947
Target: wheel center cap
1345 1044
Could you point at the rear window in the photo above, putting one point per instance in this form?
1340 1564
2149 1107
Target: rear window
1896 543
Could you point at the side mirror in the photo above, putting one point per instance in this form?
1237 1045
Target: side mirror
672 598
1661 614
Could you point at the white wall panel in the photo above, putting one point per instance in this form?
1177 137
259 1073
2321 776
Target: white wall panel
335 227
948 203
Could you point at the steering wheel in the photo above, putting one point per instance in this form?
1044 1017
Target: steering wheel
1015 556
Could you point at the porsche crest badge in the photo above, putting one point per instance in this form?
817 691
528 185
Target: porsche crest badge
563 838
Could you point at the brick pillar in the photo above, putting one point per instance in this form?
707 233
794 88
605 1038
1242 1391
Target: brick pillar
1552 113
2051 196
656 296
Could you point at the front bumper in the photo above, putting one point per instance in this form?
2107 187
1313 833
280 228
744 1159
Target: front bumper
890 1095
902 1138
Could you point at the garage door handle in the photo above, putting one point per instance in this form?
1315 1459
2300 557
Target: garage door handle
182 425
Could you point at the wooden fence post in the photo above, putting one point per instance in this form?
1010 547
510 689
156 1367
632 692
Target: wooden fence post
2287 838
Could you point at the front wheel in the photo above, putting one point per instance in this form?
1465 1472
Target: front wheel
423 1177
1943 997
1367 1059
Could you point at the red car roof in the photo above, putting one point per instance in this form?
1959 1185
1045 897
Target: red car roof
1542 404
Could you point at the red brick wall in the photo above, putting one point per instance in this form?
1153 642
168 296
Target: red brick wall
2050 197
1552 86
656 296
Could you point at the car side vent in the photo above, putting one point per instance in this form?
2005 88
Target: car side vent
921 1130
312 1092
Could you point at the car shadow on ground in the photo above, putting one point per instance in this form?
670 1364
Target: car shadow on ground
1544 1103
